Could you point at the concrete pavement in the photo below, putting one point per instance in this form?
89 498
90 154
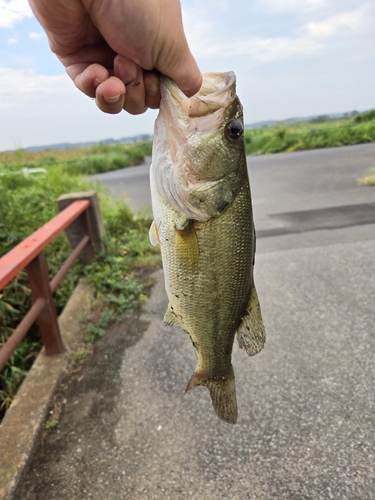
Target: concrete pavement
306 403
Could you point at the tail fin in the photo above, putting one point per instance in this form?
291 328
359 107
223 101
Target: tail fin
222 392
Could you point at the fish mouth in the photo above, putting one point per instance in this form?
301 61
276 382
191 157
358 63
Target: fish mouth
217 92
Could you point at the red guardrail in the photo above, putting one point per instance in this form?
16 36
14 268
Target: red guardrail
29 255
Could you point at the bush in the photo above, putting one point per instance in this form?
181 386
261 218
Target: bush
365 117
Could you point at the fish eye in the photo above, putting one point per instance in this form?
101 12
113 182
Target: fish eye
234 130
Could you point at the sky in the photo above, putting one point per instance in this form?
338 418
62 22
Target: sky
292 58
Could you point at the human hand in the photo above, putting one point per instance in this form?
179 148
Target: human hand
111 49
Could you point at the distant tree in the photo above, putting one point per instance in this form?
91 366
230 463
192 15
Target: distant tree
320 119
367 116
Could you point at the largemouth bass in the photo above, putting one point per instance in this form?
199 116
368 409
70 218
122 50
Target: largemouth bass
203 221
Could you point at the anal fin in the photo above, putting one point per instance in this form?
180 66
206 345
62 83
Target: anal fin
251 334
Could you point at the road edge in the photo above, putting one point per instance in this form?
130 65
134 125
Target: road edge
23 422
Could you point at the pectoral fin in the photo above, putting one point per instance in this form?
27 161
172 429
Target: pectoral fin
187 247
154 234
251 335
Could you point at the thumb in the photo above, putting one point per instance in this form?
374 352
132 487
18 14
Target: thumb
186 75
179 64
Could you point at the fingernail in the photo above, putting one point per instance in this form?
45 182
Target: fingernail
97 82
112 99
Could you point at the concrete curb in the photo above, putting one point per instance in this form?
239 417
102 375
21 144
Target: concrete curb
21 427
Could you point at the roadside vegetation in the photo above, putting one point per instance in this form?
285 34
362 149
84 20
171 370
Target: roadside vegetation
85 161
27 202
320 132
368 180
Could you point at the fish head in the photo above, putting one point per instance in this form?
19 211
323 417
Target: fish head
199 147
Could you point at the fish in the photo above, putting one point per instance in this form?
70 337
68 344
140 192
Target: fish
203 222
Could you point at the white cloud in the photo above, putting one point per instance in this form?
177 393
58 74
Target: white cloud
12 40
260 49
292 5
273 49
13 11
21 86
358 21
300 42
36 36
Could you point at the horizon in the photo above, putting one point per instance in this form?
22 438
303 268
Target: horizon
135 138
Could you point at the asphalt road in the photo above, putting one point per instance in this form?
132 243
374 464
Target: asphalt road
292 193
306 403
130 184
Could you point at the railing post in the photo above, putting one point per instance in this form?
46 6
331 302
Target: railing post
47 320
88 252
90 223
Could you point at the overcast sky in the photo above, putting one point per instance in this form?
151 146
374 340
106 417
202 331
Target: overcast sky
292 58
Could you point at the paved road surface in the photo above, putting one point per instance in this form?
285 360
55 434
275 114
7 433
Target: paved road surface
130 184
306 403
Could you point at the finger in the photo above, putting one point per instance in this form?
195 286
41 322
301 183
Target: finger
132 76
177 62
87 77
152 89
99 53
110 95
184 70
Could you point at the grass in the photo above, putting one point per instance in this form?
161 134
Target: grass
26 204
368 180
97 159
311 135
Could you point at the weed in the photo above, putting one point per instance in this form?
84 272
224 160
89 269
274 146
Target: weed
94 332
50 424
368 180
78 355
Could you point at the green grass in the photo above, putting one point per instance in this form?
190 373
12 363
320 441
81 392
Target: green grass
85 161
26 204
307 135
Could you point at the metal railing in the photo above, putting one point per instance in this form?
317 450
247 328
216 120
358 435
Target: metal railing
29 255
